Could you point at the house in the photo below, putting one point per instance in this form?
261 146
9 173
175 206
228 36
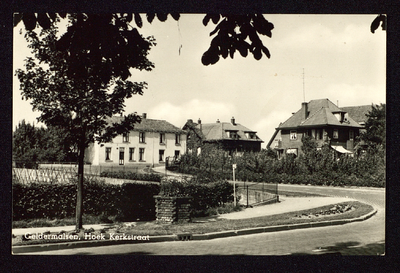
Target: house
230 136
322 120
358 113
150 142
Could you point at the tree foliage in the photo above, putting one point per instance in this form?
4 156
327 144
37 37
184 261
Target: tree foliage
237 33
80 80
374 135
232 32
379 20
38 144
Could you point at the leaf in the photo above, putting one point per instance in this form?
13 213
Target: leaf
266 52
150 17
162 16
176 16
43 20
375 24
138 20
206 19
257 53
215 18
29 20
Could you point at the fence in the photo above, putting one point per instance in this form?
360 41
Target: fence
257 193
64 172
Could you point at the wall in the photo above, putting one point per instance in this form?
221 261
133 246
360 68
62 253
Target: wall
97 153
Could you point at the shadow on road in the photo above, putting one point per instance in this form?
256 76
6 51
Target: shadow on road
348 248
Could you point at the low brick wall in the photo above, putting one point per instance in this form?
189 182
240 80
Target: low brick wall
171 209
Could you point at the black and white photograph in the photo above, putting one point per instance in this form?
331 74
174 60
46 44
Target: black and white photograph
199 134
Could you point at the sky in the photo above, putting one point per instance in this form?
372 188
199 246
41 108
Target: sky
312 57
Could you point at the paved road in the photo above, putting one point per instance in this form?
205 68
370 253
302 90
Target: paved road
359 238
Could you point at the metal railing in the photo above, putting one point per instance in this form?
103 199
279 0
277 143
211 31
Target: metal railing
257 193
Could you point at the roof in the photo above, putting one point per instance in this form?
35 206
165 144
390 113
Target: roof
219 131
320 113
358 113
151 125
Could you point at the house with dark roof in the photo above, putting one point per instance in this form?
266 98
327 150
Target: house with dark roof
358 113
323 121
150 142
230 136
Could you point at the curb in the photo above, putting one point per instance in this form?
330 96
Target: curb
188 236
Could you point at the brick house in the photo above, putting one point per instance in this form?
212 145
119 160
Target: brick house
230 136
150 142
322 120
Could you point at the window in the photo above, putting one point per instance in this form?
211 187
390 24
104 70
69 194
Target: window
161 155
293 135
131 153
142 137
177 139
233 135
121 155
162 138
351 135
177 153
318 134
335 133
125 137
141 154
108 153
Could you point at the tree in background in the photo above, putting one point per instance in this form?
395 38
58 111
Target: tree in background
375 127
38 144
79 80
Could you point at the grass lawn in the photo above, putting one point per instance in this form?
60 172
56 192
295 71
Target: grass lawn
196 227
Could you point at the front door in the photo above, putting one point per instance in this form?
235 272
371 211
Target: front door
121 156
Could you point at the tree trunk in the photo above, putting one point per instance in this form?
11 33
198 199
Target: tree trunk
79 192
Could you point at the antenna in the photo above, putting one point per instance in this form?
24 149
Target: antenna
304 91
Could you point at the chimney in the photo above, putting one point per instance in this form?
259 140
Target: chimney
199 121
233 121
217 120
144 116
304 110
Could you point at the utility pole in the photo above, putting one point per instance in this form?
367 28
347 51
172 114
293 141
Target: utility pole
234 186
304 91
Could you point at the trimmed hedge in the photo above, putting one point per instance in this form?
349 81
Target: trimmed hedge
132 176
129 201
204 195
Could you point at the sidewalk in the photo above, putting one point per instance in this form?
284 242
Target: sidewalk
161 170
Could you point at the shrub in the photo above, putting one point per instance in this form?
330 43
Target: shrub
132 176
128 201
204 195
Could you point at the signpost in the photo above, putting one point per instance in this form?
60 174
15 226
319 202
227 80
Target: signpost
234 186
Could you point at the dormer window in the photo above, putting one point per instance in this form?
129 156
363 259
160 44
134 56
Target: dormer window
250 135
233 135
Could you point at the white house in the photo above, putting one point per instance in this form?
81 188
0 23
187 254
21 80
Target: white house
150 142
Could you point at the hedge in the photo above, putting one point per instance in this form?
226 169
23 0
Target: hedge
204 195
129 201
132 176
